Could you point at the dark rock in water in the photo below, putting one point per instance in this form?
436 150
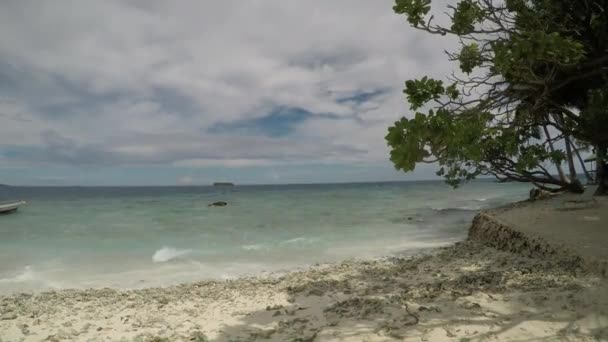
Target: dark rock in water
218 204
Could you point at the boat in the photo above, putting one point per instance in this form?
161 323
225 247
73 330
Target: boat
10 206
223 184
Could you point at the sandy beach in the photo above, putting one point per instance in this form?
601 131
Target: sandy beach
465 292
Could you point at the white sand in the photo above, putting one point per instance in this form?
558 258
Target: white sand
461 293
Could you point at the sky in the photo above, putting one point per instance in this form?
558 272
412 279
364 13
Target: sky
192 92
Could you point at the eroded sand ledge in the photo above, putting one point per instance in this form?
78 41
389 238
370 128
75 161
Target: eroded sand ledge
491 231
489 228
467 292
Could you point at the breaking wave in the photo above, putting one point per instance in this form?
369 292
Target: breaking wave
169 253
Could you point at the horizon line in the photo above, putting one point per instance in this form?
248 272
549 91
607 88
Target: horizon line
235 184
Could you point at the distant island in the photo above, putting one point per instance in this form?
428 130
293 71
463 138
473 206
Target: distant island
223 184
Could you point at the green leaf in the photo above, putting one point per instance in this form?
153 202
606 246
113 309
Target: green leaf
470 57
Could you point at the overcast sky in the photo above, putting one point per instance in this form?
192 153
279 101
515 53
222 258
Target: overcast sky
191 92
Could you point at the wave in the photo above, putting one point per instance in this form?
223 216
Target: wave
169 253
300 240
457 209
480 199
27 274
27 279
255 247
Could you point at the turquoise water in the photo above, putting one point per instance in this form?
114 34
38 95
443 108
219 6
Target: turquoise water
140 237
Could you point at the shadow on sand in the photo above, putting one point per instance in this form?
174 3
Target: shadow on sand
463 293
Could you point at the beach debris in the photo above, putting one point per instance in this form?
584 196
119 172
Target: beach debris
24 328
264 333
274 307
198 336
85 328
218 204
471 306
539 194
8 316
413 315
591 218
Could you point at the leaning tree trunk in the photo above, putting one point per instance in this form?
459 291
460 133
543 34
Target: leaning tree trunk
558 166
575 184
582 163
602 170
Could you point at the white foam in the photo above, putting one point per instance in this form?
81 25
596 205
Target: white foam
169 253
252 247
300 240
463 208
28 279
27 274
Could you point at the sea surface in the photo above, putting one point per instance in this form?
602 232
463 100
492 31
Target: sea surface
134 237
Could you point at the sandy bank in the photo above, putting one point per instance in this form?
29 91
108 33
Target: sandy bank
467 292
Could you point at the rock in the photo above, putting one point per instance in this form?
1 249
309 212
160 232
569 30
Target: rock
8 316
316 292
274 307
538 194
264 333
471 306
24 329
86 327
218 204
198 336
291 311
308 336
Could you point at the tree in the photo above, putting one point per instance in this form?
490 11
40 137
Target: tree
532 87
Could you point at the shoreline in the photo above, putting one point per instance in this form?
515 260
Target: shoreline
467 291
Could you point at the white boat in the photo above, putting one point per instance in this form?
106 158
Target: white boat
10 207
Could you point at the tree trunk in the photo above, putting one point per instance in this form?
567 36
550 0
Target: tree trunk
602 170
575 184
582 162
571 166
560 172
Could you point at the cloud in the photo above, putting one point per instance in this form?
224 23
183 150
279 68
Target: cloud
202 83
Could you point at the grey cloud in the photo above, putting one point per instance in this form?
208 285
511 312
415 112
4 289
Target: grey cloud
134 82
167 149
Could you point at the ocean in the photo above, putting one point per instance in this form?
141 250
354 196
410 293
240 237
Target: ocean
134 237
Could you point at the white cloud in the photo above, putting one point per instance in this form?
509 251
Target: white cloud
125 82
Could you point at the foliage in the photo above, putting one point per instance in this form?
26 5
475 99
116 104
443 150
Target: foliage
533 77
